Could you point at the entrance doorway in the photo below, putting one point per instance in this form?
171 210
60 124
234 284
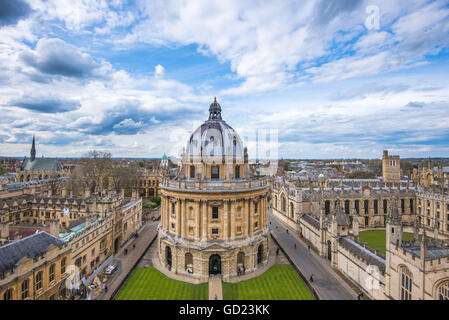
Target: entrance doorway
259 254
215 264
168 257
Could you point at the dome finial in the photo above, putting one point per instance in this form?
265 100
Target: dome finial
215 110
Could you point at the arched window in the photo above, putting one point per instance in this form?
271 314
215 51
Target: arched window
211 146
51 273
283 204
192 171
25 285
7 295
38 281
292 210
275 202
63 263
189 262
443 291
406 282
237 172
234 146
241 259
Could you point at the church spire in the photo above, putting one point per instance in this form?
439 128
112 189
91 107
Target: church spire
33 151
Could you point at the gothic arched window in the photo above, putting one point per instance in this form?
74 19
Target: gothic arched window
406 284
443 291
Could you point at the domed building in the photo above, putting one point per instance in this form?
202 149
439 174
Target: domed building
214 213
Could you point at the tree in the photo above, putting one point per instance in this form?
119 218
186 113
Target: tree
362 175
92 171
156 200
2 171
140 163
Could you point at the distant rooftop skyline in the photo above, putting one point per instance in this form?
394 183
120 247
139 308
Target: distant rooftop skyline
134 78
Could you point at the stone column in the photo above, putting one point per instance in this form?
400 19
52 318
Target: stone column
197 219
232 203
204 222
225 219
250 215
245 217
184 218
178 217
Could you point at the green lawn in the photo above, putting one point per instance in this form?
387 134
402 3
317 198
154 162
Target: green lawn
376 239
280 282
150 284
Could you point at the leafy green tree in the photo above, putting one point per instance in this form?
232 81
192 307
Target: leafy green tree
2 171
156 200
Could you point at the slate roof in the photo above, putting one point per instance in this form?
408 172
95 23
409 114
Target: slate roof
32 246
433 251
363 253
311 220
41 164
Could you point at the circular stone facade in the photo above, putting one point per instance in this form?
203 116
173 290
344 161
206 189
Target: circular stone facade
214 213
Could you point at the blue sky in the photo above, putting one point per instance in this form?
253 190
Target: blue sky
136 77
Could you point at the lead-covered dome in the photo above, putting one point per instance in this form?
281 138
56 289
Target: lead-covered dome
214 139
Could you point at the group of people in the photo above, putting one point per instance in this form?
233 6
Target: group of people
241 270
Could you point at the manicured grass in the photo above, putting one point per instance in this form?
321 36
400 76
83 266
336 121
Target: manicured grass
280 282
376 239
150 284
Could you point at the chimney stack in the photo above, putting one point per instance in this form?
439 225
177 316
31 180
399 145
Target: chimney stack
54 228
4 227
88 221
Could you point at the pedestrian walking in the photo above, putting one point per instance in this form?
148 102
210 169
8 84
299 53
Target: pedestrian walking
216 298
286 230
126 252
134 246
360 296
311 277
308 247
295 245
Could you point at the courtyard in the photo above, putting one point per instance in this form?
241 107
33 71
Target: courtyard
376 239
280 282
151 284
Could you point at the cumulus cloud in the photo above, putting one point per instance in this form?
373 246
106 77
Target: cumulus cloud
13 11
45 104
56 57
159 71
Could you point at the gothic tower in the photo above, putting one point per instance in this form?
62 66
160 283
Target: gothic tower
33 151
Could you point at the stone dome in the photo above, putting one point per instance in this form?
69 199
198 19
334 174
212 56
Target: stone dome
214 138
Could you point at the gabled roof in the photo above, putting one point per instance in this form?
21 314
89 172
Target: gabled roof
41 164
32 246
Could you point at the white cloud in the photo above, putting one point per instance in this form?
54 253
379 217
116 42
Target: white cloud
159 71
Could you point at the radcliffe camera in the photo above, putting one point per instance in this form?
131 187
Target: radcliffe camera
224 159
